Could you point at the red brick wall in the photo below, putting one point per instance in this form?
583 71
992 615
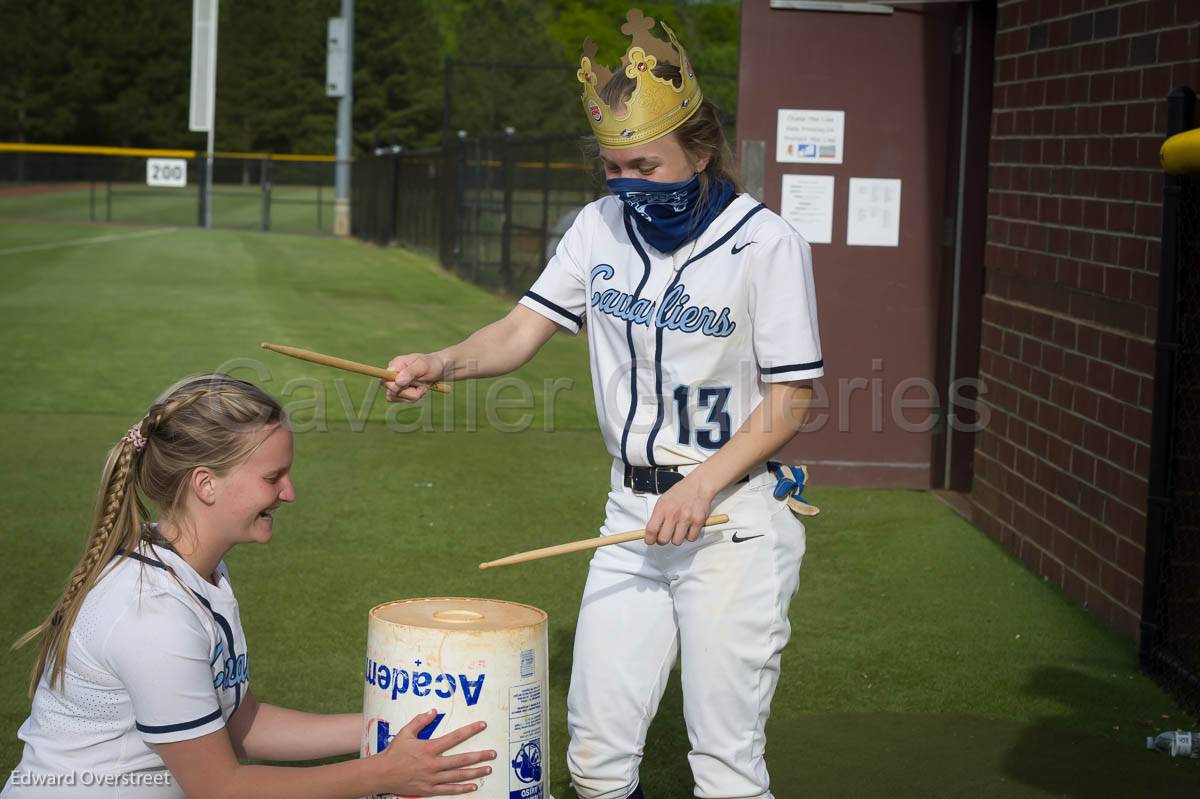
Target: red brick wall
1072 256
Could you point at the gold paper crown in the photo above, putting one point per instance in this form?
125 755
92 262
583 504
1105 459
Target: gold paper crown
655 107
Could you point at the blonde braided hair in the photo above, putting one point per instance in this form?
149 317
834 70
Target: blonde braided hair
203 420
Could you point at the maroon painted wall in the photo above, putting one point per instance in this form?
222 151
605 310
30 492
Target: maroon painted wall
879 306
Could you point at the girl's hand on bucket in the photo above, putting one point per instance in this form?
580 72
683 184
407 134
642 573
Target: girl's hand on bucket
679 514
413 374
416 767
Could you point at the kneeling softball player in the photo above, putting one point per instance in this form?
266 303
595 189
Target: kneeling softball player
142 680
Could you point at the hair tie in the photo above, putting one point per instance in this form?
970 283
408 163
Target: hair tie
135 437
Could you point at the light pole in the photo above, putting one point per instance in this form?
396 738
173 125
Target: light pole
202 113
341 62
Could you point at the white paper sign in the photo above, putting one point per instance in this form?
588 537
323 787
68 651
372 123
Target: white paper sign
874 215
170 172
810 137
807 202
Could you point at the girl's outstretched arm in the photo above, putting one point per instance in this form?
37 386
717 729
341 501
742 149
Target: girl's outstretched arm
207 768
269 732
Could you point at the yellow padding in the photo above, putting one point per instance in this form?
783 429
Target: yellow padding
1180 154
142 152
74 149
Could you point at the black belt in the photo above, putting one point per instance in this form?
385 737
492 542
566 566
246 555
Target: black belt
656 479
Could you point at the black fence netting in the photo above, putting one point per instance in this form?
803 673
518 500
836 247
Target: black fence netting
492 208
1170 644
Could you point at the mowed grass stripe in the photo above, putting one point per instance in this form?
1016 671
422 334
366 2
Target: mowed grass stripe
139 234
111 326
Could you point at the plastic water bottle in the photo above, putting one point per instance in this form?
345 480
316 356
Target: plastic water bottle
1179 743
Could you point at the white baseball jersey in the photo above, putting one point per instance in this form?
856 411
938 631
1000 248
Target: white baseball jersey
682 344
150 661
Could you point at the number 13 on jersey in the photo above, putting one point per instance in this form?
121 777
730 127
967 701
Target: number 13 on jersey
716 430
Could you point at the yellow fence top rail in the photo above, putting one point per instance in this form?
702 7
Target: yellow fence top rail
143 152
74 149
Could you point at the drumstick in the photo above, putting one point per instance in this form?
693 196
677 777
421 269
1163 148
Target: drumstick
342 363
587 543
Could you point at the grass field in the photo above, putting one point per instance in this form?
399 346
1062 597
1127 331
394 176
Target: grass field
924 661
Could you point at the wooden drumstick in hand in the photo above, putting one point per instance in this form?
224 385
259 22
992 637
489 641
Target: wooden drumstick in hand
587 543
345 365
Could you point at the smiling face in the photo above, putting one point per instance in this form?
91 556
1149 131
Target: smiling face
663 160
244 498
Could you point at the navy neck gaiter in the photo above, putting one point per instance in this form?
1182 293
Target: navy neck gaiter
666 212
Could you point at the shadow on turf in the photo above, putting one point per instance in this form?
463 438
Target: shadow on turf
899 755
936 756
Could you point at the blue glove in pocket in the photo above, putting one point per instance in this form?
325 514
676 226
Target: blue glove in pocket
789 487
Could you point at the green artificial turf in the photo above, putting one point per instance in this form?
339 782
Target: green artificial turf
923 662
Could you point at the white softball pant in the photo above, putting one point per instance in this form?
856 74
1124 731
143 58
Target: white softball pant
721 604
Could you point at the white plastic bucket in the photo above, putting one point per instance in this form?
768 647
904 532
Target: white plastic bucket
472 660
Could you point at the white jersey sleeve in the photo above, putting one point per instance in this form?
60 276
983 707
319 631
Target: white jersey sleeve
783 310
162 654
560 292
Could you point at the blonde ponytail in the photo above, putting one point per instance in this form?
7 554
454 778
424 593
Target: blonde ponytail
116 525
201 421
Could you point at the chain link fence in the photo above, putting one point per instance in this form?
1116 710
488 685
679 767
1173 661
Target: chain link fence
293 194
492 208
1170 643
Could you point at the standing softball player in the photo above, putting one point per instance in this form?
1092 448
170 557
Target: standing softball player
143 677
702 333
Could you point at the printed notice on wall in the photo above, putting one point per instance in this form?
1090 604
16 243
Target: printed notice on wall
807 202
874 215
810 137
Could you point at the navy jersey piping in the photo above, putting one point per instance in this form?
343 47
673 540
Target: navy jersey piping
228 632
183 725
793 367
558 309
226 629
658 336
637 245
158 564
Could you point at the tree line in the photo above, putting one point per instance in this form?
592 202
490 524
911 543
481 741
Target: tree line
118 73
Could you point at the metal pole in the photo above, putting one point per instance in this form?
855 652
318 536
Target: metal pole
212 120
483 185
1180 109
542 257
447 98
959 210
393 226
92 201
266 193
506 231
208 179
345 125
447 186
201 191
